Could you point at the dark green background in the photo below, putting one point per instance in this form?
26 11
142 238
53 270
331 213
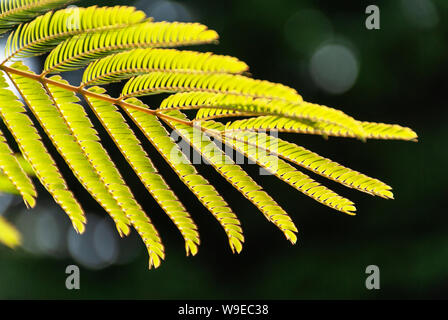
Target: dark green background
402 79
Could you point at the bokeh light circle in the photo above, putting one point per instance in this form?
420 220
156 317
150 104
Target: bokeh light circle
334 68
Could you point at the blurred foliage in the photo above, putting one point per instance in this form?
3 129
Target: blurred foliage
402 78
9 235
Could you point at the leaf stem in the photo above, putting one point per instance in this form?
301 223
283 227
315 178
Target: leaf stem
84 92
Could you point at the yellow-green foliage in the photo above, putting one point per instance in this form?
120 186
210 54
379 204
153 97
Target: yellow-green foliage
120 43
11 169
14 12
15 181
8 234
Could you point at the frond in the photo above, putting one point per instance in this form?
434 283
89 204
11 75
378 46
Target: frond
68 145
372 130
12 169
314 162
81 127
120 43
80 50
131 149
234 174
14 12
125 65
9 235
298 111
285 171
158 82
202 189
25 134
47 31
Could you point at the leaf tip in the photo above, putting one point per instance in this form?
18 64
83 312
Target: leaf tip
191 248
123 229
236 245
154 260
30 201
350 210
291 236
79 226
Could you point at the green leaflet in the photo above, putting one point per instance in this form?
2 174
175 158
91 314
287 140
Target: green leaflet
372 130
81 127
13 12
11 168
25 165
157 82
131 149
68 146
47 31
124 65
235 175
19 124
284 171
6 185
258 106
78 51
314 162
203 190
